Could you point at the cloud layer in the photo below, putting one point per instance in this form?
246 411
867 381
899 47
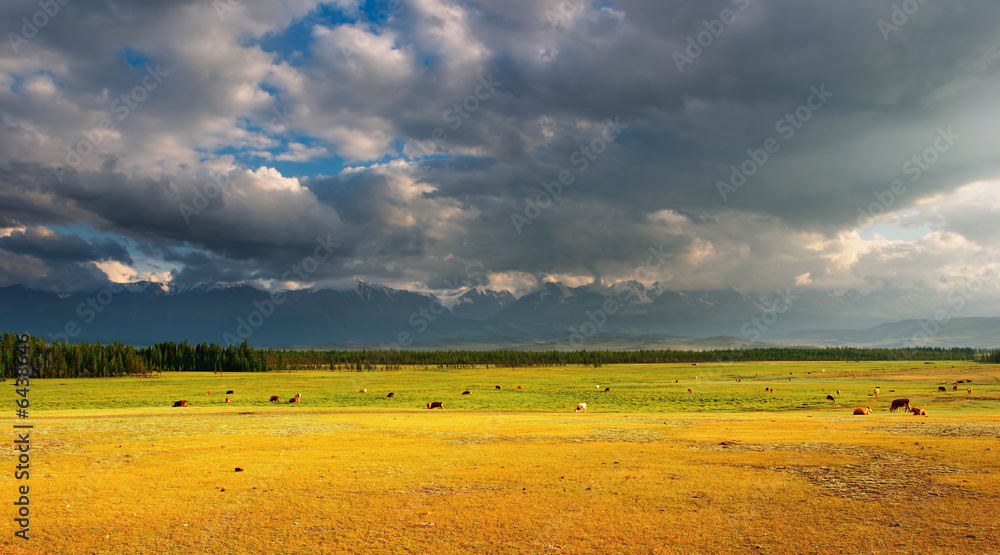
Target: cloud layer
420 143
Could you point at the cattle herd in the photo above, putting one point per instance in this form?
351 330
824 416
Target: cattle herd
896 404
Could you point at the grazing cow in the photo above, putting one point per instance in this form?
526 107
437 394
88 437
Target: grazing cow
363 391
606 389
863 410
969 390
391 395
519 387
918 412
582 407
877 391
208 393
766 389
899 404
689 390
295 399
230 392
739 380
838 392
275 399
435 405
942 388
180 403
466 392
954 387
227 399
830 398
498 388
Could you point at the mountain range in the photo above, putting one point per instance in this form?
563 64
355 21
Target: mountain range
625 315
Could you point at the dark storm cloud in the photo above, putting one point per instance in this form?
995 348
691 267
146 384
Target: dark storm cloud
511 95
56 247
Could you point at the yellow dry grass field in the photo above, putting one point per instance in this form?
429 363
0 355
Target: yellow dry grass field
403 479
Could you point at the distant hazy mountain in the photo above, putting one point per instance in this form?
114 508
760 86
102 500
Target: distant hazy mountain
965 332
481 304
622 315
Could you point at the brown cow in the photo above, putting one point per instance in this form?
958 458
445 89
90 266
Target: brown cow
830 398
275 399
498 388
918 412
606 389
466 392
689 390
180 403
900 404
942 388
863 410
208 393
295 399
363 391
519 387
227 399
435 405
954 387
969 390
391 395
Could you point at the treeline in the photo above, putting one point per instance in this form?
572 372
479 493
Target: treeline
63 360
990 357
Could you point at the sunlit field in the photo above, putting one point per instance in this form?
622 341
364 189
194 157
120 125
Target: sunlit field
649 468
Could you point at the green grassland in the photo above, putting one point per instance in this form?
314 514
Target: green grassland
634 388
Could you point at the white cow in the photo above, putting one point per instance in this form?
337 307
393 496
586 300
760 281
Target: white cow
582 407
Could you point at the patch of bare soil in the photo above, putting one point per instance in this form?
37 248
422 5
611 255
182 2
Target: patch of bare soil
940 430
875 474
604 435
448 490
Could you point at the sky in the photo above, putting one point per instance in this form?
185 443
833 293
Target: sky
437 145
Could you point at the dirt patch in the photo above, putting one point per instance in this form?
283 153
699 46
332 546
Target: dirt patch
891 476
875 474
940 430
604 435
449 490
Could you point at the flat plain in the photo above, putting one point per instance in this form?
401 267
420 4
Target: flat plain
728 467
